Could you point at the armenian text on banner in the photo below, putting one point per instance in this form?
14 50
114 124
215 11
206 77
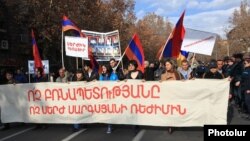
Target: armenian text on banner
76 46
170 103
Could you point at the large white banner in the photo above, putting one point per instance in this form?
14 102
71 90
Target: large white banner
31 66
169 103
198 42
76 46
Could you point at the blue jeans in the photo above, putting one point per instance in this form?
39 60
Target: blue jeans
76 126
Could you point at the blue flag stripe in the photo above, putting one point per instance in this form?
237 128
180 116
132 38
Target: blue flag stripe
134 48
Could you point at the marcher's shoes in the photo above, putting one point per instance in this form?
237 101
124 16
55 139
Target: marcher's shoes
109 130
136 129
170 130
244 116
247 118
75 129
37 127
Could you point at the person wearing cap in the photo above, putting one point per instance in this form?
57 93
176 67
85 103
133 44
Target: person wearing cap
213 72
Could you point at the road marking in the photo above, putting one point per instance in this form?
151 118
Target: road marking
18 133
74 135
139 135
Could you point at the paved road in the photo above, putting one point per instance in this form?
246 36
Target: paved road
96 132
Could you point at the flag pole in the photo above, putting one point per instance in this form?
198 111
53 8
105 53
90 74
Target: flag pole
62 51
76 63
124 53
121 57
120 48
29 76
193 58
165 45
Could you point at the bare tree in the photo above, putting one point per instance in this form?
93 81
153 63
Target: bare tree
45 17
153 31
239 35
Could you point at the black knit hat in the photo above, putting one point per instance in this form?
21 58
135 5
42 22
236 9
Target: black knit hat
212 64
238 55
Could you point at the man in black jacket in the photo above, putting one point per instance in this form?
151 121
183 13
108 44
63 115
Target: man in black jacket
213 72
148 71
245 85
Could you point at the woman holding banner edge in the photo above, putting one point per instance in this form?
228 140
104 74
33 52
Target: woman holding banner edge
170 73
134 73
105 76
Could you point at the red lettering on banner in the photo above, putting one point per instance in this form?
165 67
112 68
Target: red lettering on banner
35 94
142 92
49 110
157 109
30 94
96 93
125 88
98 108
71 95
88 93
80 92
105 90
128 91
49 95
73 109
152 91
178 109
72 44
116 91
134 94
60 94
34 110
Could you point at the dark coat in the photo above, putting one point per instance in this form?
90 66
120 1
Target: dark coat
210 75
149 74
245 79
139 76
93 76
